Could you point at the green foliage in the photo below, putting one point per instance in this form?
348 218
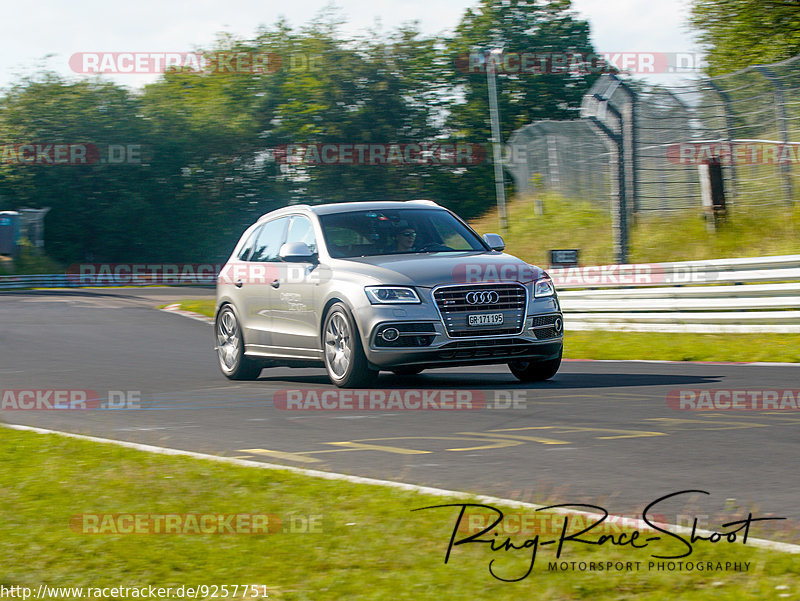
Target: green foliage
208 138
739 33
516 26
29 261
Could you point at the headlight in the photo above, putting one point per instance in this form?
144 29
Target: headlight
543 287
379 295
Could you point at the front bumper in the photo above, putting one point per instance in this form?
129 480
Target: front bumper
424 341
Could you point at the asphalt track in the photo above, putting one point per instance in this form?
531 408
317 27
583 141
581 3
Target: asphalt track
599 432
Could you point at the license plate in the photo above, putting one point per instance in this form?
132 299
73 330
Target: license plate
485 319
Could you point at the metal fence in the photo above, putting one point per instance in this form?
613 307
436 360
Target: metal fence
636 148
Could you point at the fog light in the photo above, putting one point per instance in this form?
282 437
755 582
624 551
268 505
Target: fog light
558 324
390 334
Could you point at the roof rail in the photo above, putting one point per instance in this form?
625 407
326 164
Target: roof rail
287 207
424 202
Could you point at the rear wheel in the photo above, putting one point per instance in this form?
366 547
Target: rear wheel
535 371
230 348
345 360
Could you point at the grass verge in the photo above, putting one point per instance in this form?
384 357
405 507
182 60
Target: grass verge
682 347
651 345
371 545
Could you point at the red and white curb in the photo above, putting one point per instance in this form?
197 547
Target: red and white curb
176 308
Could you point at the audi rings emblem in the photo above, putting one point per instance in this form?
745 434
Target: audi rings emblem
482 297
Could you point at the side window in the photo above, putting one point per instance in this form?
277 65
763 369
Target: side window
244 254
269 240
301 230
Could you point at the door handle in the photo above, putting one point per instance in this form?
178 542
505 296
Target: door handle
276 284
238 283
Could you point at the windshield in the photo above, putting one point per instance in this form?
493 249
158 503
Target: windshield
396 231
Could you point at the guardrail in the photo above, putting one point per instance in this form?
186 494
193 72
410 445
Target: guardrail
759 294
721 295
64 280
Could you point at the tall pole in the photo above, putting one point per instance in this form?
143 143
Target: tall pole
498 151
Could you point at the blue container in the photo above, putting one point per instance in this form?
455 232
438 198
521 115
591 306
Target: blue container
9 232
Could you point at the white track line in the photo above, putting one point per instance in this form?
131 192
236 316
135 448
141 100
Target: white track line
426 490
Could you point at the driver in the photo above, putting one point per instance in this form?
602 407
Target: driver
405 238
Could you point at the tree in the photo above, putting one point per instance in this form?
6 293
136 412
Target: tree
739 33
547 31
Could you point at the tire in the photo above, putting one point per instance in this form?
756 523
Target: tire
408 370
344 356
535 371
230 348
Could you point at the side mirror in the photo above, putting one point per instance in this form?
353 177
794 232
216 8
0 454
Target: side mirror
495 241
297 252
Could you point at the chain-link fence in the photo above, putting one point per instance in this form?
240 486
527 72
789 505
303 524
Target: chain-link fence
636 148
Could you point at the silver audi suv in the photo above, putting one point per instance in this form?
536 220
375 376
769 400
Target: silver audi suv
361 287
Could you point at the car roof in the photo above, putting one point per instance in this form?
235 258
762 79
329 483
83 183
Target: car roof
343 207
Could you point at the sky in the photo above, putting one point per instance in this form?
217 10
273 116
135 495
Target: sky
44 34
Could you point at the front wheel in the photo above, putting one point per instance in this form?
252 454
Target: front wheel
230 348
535 371
345 360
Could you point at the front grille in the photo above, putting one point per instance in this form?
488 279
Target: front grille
543 333
404 341
544 327
544 321
469 349
454 309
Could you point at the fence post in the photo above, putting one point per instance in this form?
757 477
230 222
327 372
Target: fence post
780 117
729 125
630 151
619 212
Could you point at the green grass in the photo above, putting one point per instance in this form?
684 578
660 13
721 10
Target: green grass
372 546
651 345
679 236
682 347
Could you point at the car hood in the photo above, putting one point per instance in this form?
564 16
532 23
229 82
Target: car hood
433 269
